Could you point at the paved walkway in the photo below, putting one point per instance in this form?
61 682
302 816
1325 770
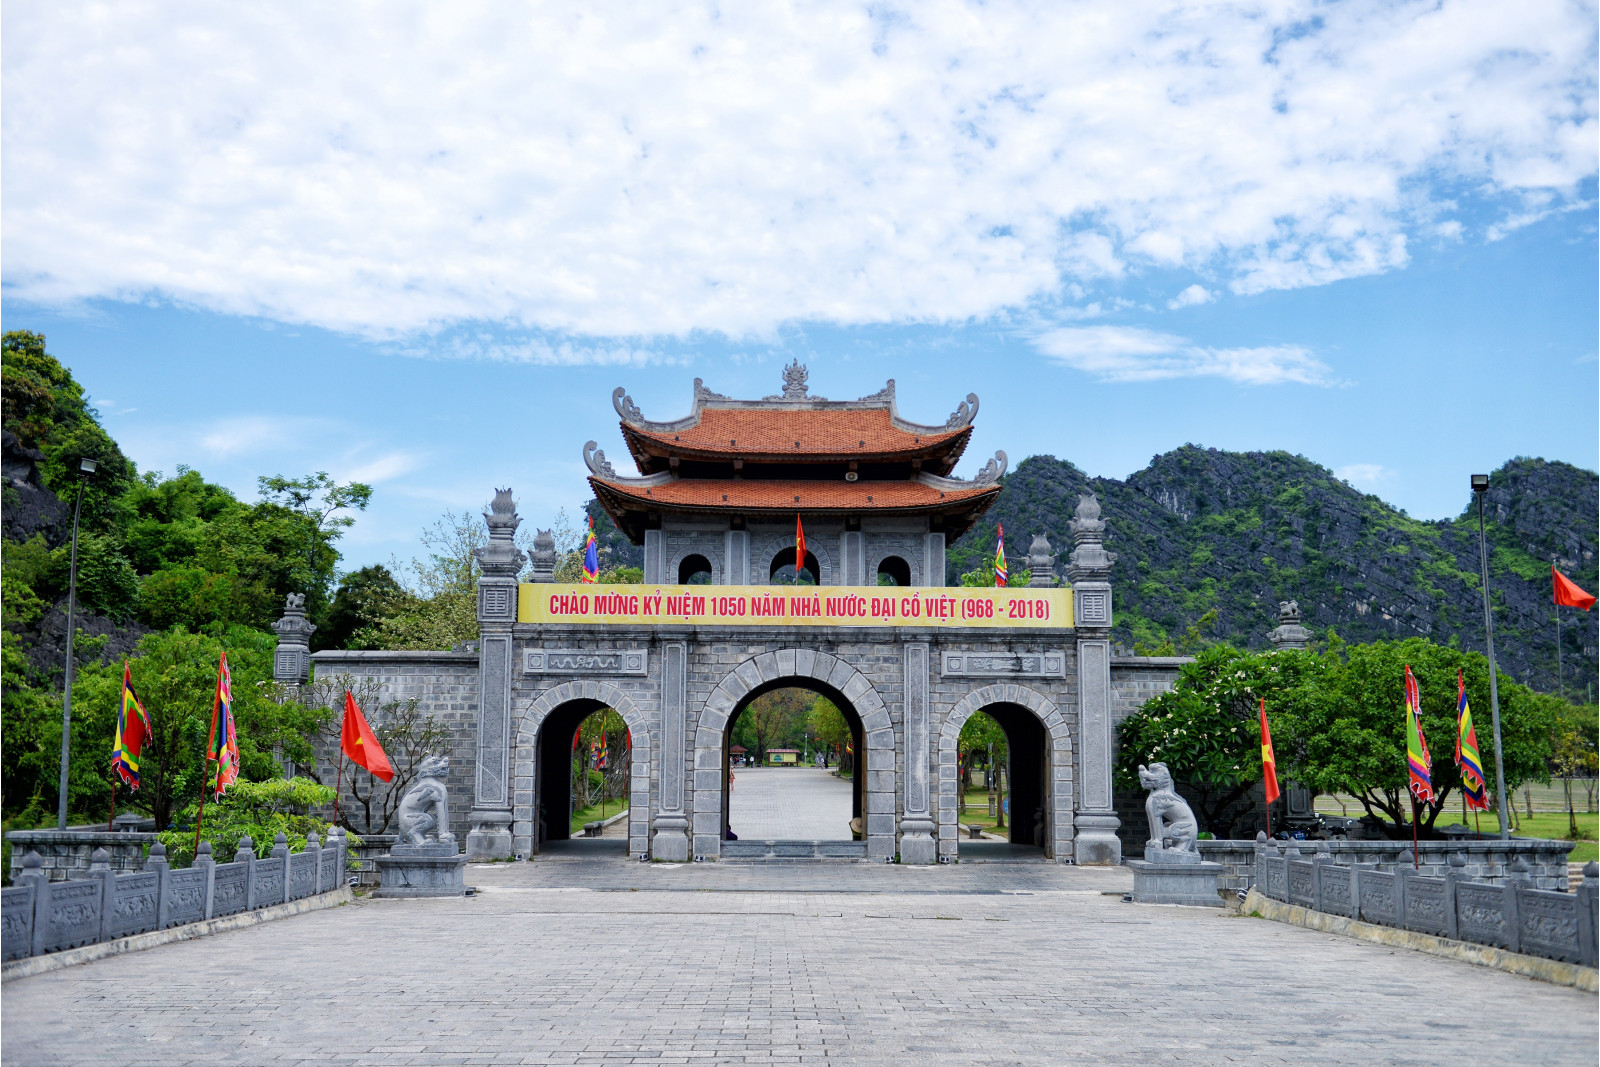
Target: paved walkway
578 959
789 804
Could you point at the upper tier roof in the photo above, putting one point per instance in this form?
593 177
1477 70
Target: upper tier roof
794 427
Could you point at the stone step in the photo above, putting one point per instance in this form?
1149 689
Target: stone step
789 850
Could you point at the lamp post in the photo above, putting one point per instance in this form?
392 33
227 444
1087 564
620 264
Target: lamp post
86 467
1480 487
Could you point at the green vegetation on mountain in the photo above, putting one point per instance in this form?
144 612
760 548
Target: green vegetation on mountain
1219 538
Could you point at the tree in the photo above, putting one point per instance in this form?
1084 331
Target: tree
45 407
363 599
774 719
175 674
1354 742
1572 752
980 734
827 723
1206 729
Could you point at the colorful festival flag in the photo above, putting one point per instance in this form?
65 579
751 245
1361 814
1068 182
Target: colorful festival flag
999 555
1467 757
133 726
357 741
223 746
799 548
1567 593
591 555
1269 762
600 760
1418 762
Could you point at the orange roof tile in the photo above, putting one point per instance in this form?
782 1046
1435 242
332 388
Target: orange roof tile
797 495
805 431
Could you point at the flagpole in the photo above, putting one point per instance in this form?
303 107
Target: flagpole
201 815
113 816
1480 486
1561 686
1416 863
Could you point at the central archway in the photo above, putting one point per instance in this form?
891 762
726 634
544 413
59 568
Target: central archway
850 691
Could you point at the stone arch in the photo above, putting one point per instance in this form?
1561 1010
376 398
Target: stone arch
532 716
801 665
761 559
707 551
913 567
1059 833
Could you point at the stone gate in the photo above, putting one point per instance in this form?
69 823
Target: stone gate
789 541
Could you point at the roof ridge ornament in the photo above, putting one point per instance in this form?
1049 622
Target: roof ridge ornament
626 408
595 459
886 393
702 393
991 474
794 384
964 413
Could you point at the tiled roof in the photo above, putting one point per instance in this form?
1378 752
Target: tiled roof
847 432
787 496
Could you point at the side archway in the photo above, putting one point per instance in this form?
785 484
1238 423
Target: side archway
1059 786
761 559
587 696
802 666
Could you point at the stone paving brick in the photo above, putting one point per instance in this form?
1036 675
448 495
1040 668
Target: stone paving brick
606 961
789 803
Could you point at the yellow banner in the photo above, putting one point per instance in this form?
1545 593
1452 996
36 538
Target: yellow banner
791 605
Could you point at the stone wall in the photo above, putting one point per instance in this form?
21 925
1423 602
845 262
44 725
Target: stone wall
1134 681
1488 861
67 853
445 686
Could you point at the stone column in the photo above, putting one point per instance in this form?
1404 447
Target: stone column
489 835
291 664
670 841
933 559
1090 571
852 558
655 562
736 562
916 826
1041 563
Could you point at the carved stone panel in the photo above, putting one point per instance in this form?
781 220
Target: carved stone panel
585 661
494 718
1092 606
916 727
497 603
1050 664
674 709
1094 720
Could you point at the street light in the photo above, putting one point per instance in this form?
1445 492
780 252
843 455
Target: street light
86 467
1480 486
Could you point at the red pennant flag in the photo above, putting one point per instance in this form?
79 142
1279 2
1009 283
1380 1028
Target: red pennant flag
799 547
1568 594
357 741
1269 762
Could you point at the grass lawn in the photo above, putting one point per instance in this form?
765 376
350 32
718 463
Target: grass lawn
978 812
1547 824
596 814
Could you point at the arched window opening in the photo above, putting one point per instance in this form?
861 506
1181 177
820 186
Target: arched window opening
894 571
782 571
694 570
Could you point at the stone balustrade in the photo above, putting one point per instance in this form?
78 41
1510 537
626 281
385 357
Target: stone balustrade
1511 914
1543 862
41 915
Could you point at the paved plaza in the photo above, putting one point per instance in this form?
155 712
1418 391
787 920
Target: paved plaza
789 804
583 958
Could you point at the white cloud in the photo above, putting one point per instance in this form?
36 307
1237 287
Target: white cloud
1195 294
1364 475
242 434
381 469
1132 354
649 169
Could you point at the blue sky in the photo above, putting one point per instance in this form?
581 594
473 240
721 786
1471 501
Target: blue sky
1364 233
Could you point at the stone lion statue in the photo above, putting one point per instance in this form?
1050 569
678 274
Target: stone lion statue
424 811
1171 818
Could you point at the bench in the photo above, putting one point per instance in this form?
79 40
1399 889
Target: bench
592 829
974 831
